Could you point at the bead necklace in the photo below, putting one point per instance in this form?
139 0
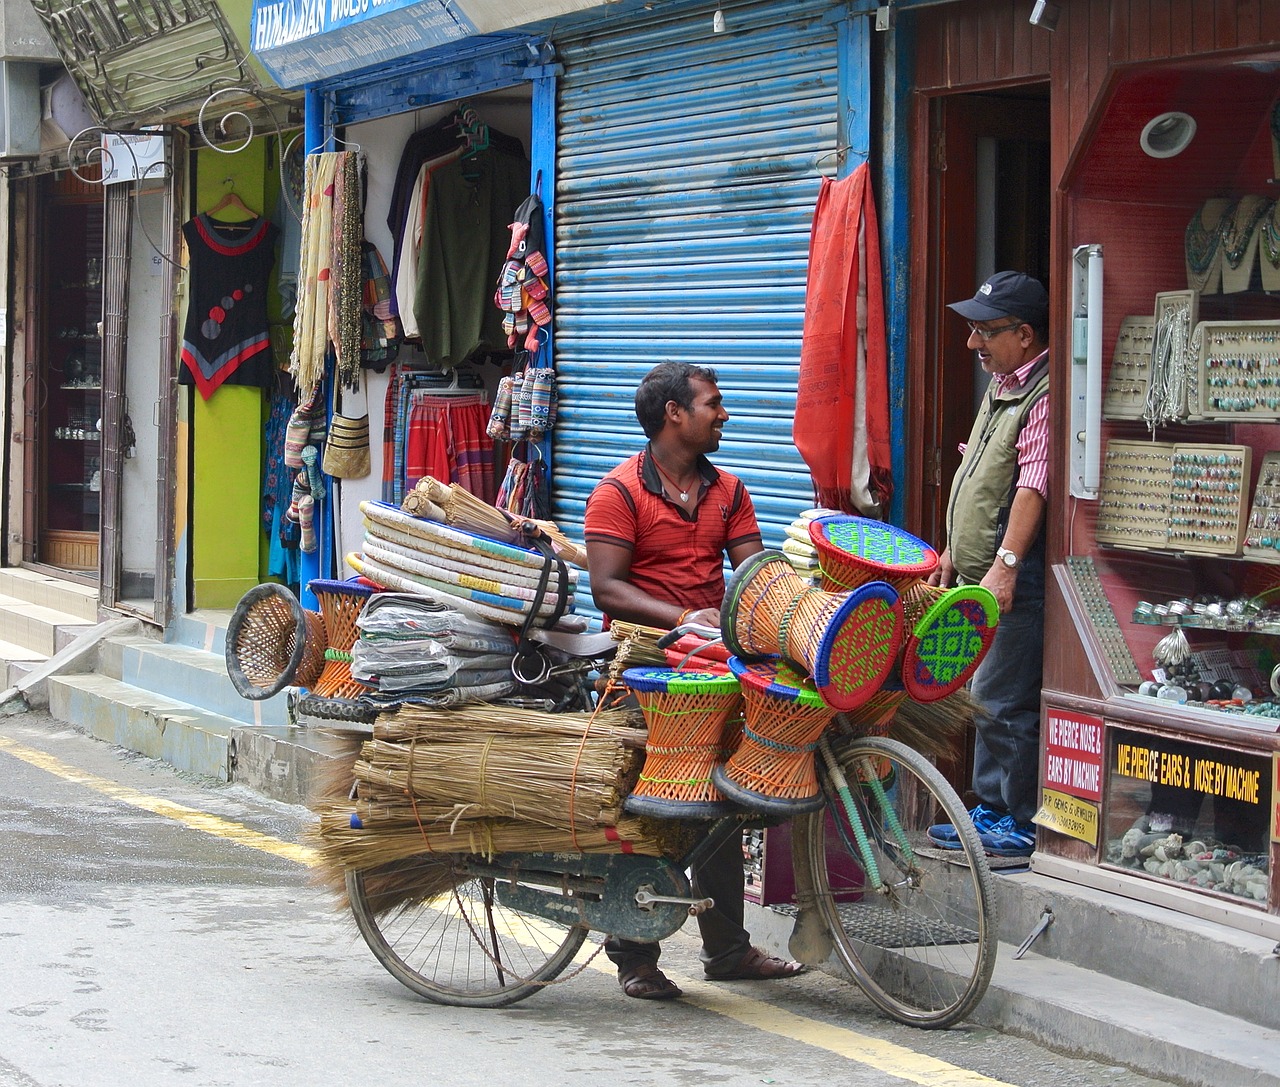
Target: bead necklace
1201 248
1238 224
682 491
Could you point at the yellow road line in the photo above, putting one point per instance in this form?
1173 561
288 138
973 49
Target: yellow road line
191 817
894 1060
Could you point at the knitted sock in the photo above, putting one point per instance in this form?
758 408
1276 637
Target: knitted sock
307 522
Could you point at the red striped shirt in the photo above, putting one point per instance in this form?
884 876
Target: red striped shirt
1033 440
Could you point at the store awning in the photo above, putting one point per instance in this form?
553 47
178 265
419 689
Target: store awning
148 61
310 41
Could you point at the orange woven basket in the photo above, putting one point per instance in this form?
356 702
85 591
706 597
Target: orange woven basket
773 768
341 603
272 642
691 717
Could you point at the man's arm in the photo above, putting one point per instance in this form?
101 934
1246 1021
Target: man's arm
610 569
1025 516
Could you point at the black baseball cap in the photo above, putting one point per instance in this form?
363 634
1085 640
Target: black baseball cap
1006 294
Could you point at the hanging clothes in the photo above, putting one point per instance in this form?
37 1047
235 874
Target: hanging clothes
465 236
446 439
409 244
277 491
841 423
226 339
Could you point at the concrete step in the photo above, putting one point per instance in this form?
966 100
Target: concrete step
1237 973
190 739
68 597
37 628
187 674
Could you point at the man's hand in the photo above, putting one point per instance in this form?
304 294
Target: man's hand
1001 580
944 573
704 617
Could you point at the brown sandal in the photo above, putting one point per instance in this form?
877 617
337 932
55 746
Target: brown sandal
645 981
757 965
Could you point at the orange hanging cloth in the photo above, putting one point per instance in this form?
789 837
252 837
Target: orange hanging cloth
841 424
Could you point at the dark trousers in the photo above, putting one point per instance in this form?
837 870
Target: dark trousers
724 940
1006 687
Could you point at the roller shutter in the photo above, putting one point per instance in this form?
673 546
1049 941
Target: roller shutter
688 168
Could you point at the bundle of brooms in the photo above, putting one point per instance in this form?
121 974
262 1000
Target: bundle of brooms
480 779
454 505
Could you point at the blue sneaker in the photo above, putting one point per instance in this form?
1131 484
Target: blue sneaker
1009 838
944 835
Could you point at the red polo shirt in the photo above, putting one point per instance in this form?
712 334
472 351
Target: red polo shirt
675 556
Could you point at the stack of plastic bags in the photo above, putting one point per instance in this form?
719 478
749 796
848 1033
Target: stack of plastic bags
412 649
799 549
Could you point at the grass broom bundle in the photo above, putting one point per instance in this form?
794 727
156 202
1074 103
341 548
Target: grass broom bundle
464 510
413 722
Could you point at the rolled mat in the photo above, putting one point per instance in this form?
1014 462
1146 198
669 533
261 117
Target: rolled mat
390 578
454 537
389 556
465 562
427 565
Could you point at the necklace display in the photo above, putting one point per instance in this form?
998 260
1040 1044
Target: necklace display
683 492
1238 225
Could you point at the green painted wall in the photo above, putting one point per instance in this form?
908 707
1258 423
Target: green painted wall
227 439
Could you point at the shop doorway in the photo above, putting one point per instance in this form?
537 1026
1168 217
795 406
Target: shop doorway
988 195
63 396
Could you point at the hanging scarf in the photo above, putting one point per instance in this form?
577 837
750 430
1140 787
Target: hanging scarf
842 400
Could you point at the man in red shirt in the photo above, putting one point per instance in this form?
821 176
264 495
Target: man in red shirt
657 530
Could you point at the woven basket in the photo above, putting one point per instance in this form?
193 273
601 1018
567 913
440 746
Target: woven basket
855 550
272 642
773 768
848 642
948 633
341 603
689 716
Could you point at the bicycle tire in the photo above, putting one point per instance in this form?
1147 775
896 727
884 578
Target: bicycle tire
450 940
924 948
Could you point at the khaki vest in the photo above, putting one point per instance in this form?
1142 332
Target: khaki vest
983 489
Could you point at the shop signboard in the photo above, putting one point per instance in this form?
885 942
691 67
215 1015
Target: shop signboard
1071 774
309 41
1275 797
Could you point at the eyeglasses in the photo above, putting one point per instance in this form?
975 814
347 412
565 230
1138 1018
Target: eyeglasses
987 333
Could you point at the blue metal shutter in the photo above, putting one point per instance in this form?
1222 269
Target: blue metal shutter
688 166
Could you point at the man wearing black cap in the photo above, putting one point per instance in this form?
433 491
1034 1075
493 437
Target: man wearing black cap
995 537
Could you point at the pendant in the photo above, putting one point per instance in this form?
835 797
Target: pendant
684 496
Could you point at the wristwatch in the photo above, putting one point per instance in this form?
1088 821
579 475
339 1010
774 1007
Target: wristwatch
1007 557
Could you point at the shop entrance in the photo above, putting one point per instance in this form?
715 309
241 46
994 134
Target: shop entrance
988 193
63 399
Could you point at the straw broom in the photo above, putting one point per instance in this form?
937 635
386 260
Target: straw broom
464 510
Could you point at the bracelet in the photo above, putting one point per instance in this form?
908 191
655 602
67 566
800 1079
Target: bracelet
684 615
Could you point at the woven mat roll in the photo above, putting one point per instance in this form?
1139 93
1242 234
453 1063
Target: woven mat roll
391 578
427 565
453 537
456 559
388 555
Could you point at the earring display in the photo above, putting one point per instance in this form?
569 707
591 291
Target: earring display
1182 497
1130 374
1239 364
1173 365
1262 532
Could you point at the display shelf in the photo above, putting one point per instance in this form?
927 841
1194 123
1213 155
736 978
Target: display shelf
1238 370
1130 374
1182 497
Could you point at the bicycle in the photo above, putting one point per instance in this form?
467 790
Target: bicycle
915 927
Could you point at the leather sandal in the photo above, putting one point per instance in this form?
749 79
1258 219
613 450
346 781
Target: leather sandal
645 981
757 965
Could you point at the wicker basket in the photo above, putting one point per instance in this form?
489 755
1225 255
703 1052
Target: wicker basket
341 603
273 642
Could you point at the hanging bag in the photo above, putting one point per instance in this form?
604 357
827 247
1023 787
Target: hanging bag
346 451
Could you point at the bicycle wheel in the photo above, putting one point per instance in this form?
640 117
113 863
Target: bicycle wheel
923 946
447 936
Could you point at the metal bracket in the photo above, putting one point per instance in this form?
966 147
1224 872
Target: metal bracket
1046 919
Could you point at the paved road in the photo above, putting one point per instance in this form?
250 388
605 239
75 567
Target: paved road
156 929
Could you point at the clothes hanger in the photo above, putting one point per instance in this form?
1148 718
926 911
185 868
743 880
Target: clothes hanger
231 199
350 145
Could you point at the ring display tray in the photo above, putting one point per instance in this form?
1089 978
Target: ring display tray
1238 367
1130 374
1176 496
1262 532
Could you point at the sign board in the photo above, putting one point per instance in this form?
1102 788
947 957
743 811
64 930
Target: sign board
1068 815
1275 797
1072 759
308 41
132 156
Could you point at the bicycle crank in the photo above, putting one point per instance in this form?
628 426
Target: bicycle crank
646 900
